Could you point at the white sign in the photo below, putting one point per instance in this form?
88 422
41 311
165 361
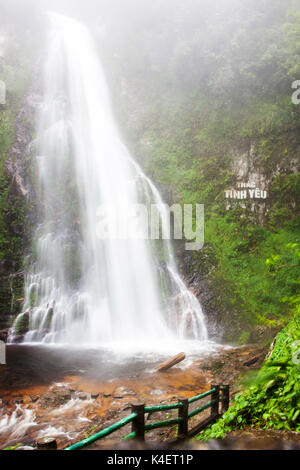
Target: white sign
246 191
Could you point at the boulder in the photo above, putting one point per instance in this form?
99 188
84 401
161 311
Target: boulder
4 335
55 398
83 396
21 325
18 338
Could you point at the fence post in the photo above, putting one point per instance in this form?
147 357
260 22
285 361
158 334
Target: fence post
138 424
183 412
216 397
225 398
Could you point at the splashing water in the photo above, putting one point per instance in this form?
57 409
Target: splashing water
18 423
82 289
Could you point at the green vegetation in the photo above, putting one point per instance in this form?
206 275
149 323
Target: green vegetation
14 71
272 401
14 447
248 285
210 99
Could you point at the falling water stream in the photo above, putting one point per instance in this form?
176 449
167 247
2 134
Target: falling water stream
82 289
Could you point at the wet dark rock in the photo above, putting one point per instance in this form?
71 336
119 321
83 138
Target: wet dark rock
4 335
34 399
110 414
83 396
252 360
195 273
55 398
46 443
94 395
18 338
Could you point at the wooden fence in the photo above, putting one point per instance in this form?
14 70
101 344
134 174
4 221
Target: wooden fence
219 395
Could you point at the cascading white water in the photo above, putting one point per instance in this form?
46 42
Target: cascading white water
82 289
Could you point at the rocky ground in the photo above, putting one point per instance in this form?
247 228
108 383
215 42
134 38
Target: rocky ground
78 406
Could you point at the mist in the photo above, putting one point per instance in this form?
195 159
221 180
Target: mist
190 108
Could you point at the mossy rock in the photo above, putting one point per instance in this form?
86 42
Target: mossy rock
22 324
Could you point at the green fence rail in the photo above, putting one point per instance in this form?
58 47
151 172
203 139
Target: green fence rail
137 417
105 432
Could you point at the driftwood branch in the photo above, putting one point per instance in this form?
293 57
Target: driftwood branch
171 362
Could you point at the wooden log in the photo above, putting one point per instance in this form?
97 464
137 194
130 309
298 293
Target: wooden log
252 360
171 362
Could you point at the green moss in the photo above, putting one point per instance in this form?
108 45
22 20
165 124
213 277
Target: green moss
22 324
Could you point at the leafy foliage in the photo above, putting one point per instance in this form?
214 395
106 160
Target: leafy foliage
272 401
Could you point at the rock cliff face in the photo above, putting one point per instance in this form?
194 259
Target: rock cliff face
226 320
255 187
18 199
20 162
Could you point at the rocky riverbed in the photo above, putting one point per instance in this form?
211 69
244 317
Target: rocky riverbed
44 397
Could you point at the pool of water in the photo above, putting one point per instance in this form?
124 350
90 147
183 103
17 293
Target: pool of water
41 364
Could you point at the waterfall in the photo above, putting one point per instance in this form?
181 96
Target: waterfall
81 288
